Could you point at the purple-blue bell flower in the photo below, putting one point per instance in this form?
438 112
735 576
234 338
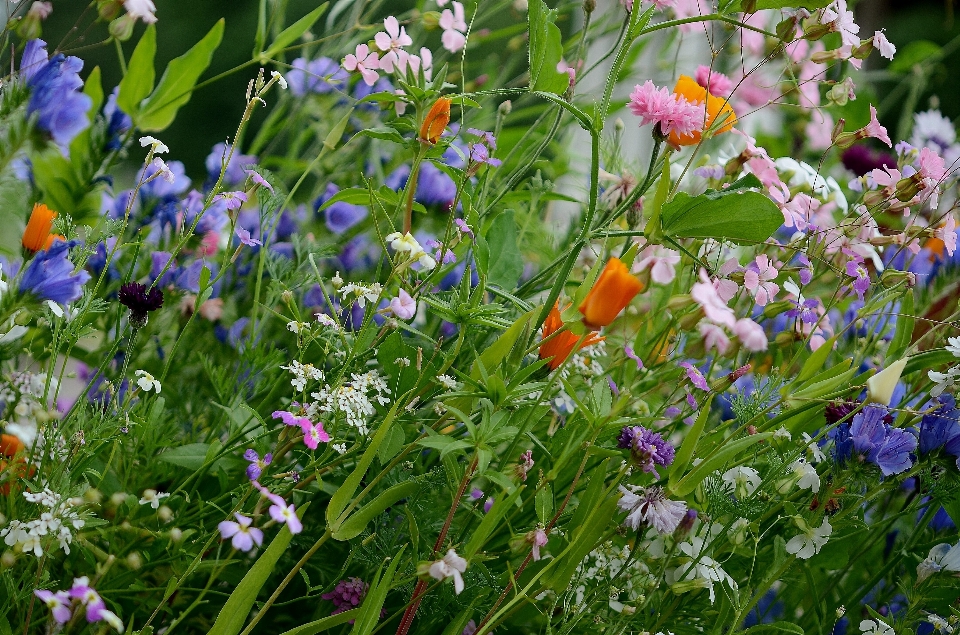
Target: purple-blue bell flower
868 430
159 260
118 122
55 92
214 219
895 454
188 278
359 253
98 259
940 427
235 172
340 216
50 275
322 75
116 207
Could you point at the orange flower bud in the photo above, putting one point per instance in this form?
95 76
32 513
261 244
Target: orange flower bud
716 107
38 227
612 291
436 121
559 347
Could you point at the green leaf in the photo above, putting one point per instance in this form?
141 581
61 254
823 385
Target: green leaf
178 82
582 542
391 445
759 5
93 88
546 50
816 361
369 615
292 33
776 627
544 503
235 611
138 81
727 452
325 624
352 526
590 497
490 522
191 456
498 351
905 323
927 360
739 216
912 54
384 133
505 263
686 449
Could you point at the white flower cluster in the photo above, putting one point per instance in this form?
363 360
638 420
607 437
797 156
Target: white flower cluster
303 373
407 244
361 293
948 379
602 564
59 522
586 361
353 399
24 410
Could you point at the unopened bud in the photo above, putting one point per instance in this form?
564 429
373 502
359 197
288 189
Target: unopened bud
337 281
863 51
785 338
122 27
679 302
589 6
176 534
431 19
108 9
822 57
165 514
787 29
773 309
505 107
134 561
618 125
287 296
7 560
689 321
816 31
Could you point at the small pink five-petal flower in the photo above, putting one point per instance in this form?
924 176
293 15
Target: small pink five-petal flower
947 233
875 130
391 42
454 26
759 280
364 62
313 435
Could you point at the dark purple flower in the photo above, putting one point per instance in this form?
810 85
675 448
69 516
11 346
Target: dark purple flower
836 411
806 310
50 275
860 159
647 449
347 594
140 300
255 469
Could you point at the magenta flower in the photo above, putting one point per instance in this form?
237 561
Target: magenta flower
695 376
628 351
290 419
758 279
58 603
537 538
245 238
364 62
255 469
242 534
403 306
232 200
671 112
348 594
313 435
259 180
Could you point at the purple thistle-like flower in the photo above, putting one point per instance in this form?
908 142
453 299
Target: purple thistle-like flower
140 300
648 449
347 594
50 276
255 469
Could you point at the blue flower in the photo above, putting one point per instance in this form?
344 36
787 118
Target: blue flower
895 453
50 276
340 216
235 172
322 75
867 431
55 92
118 122
940 427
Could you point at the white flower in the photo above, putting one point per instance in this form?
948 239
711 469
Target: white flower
875 627
160 168
882 44
339 448
941 557
450 566
326 321
782 433
814 449
811 540
706 570
808 477
939 624
280 80
3 284
943 380
142 9
147 382
953 343
743 480
157 146
880 387
152 498
448 382
297 327
55 308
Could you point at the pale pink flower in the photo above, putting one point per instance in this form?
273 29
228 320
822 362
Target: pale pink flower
705 294
947 233
283 513
454 26
808 83
661 262
650 506
819 131
450 566
725 287
932 168
717 83
41 10
391 42
143 10
874 129
882 44
660 106
714 337
403 306
751 334
689 9
751 41
364 62
840 20
759 279
537 538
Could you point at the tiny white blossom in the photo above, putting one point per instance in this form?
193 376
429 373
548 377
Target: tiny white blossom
147 382
808 477
447 382
953 346
943 381
297 327
280 80
743 480
782 433
450 566
152 498
815 452
339 448
157 146
875 627
162 169
811 540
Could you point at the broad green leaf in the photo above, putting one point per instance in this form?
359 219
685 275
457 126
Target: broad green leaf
369 615
904 333
234 613
775 627
490 522
816 361
582 542
13 213
354 524
590 497
739 216
727 452
911 54
311 628
505 263
546 50
138 81
178 82
292 33
353 195
686 449
191 456
928 360
391 445
543 501
498 351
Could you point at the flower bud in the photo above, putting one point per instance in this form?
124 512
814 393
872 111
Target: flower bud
679 302
689 321
785 338
431 20
176 534
589 6
134 561
108 9
165 514
815 32
8 559
863 51
436 121
773 309
505 107
880 387
122 27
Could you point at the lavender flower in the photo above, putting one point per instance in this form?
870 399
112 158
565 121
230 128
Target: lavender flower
255 469
695 376
320 76
650 506
339 216
648 449
233 200
234 173
141 301
50 276
245 238
94 604
259 180
242 534
861 279
58 603
348 594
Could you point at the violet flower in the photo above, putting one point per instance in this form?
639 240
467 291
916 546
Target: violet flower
242 534
50 276
58 603
647 449
255 469
233 200
245 238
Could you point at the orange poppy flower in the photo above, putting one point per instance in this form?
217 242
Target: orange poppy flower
10 446
716 107
611 293
38 227
559 347
436 121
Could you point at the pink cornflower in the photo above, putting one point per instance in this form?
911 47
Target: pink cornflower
671 112
751 334
364 62
661 262
391 42
758 279
650 506
242 534
717 83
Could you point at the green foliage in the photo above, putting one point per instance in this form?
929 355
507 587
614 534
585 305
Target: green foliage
546 50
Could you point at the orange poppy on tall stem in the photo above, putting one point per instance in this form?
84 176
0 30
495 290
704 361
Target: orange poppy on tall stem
716 107
436 121
38 227
611 293
10 446
559 347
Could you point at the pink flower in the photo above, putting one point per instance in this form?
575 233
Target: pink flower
403 306
705 294
874 129
882 44
364 62
450 566
537 538
454 26
290 419
661 262
751 334
259 180
932 168
946 232
243 535
717 83
758 279
58 603
245 238
695 376
391 42
313 435
841 21
232 200
819 131
659 106
714 337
